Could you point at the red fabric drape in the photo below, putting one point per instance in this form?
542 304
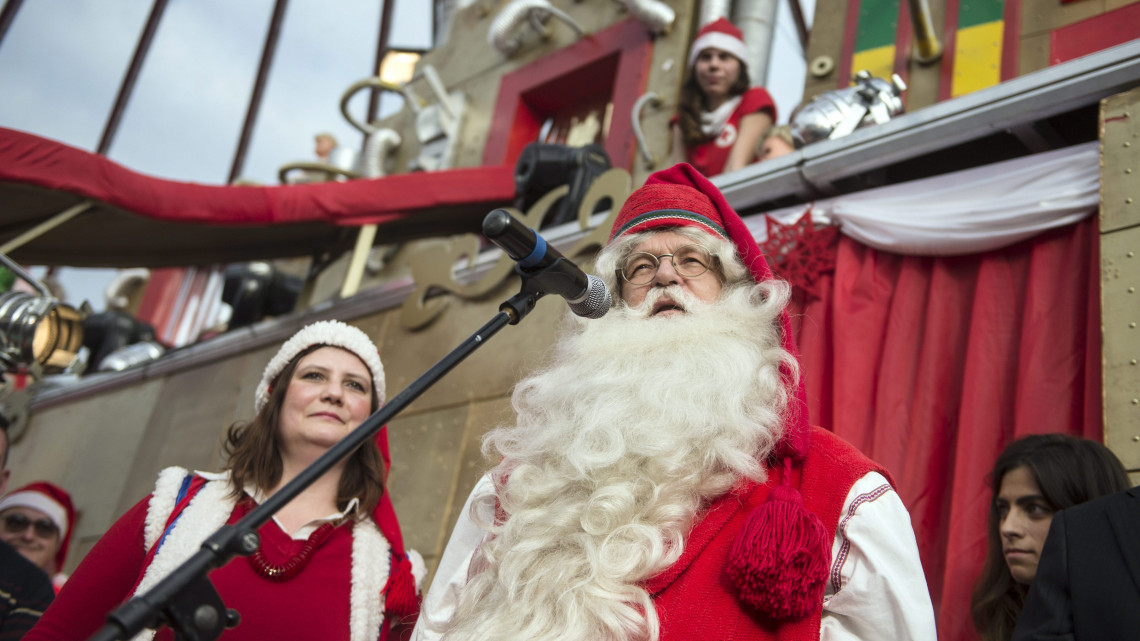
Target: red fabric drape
932 365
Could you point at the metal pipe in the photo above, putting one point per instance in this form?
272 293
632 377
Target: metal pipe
927 48
653 99
128 86
801 24
713 9
7 15
515 14
757 19
25 276
657 15
258 88
381 51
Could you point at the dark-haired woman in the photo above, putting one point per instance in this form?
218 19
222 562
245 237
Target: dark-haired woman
1033 478
720 120
331 563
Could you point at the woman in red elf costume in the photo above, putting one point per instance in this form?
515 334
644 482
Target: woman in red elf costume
720 119
331 563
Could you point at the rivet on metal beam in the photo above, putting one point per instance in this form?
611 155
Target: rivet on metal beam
1136 439
1128 201
1127 170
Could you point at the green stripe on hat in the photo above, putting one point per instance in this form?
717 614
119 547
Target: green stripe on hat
672 214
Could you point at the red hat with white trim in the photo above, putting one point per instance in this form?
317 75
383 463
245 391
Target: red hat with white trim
779 561
719 34
53 501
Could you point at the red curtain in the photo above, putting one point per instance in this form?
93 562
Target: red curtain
932 365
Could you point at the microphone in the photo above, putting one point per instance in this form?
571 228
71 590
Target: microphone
587 294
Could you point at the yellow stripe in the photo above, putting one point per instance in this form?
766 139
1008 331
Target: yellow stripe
977 58
880 61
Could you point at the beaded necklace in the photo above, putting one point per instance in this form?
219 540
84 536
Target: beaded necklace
279 573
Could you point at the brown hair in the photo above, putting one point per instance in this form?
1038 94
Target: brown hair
692 103
1069 471
254 451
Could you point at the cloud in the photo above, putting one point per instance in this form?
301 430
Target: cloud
62 62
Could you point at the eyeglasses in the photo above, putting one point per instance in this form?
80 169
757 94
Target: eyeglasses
690 261
17 523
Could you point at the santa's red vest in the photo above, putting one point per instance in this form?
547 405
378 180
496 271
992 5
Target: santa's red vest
695 598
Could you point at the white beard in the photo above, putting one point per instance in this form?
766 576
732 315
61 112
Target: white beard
635 424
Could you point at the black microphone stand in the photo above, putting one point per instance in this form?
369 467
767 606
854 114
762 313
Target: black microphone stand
186 600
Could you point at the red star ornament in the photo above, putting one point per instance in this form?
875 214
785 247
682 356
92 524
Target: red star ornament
799 253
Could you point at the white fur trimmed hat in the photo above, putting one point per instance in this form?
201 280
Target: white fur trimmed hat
719 34
334 334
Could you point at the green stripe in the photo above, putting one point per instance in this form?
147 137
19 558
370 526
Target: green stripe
878 24
975 12
672 214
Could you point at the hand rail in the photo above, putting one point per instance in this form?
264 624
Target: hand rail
536 11
653 100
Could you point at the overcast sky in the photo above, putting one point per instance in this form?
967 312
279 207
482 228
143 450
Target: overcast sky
62 61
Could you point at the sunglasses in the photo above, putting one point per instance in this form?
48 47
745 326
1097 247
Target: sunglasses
16 523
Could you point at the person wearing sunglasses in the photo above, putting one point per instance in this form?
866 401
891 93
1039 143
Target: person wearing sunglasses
26 589
661 479
37 520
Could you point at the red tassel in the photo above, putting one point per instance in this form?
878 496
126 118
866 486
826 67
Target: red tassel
779 560
400 598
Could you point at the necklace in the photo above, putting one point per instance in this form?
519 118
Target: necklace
279 573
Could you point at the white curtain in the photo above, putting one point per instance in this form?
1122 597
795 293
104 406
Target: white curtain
965 212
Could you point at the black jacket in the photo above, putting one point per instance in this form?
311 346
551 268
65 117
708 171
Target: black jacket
1088 581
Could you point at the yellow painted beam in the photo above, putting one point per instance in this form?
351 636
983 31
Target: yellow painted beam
880 61
977 58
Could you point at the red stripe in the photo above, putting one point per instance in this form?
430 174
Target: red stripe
904 42
949 40
1010 41
848 53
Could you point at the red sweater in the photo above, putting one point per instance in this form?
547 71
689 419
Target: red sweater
312 605
710 157
694 597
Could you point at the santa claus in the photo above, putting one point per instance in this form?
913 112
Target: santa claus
662 481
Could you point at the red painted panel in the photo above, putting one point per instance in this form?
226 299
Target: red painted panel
614 61
160 298
1010 40
949 41
1094 34
850 32
904 42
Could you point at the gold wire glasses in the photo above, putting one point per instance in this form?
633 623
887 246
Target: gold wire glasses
690 261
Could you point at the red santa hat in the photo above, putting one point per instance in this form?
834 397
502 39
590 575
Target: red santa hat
780 558
401 593
719 34
53 501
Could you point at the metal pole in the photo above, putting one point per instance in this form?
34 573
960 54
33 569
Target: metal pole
258 88
128 85
7 15
801 24
927 47
381 51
